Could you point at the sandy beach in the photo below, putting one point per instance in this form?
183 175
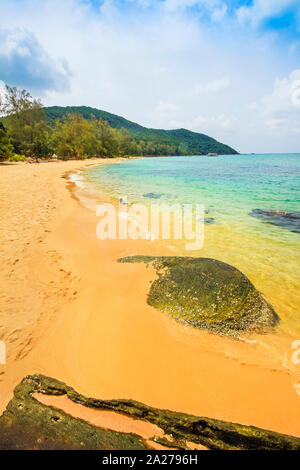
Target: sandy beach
70 311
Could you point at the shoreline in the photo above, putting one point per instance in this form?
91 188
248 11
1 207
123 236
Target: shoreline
71 312
32 193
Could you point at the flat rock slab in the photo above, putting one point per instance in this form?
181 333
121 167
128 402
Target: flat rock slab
29 424
208 294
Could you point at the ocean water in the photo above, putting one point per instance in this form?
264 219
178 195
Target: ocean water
229 187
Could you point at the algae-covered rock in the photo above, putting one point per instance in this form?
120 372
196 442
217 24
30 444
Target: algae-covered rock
208 294
29 424
287 220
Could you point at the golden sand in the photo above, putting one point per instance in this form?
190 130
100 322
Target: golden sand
70 311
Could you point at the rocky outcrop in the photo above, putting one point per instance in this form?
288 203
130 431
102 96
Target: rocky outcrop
29 424
287 220
208 294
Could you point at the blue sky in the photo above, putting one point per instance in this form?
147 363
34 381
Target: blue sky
228 68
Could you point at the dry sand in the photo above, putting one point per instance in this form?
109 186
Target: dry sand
35 280
70 311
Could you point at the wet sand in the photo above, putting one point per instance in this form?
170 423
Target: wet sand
70 311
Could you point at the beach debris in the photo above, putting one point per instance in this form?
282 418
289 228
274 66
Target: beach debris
123 201
207 294
29 424
288 220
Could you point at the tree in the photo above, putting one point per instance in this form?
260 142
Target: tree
73 137
6 148
42 142
25 121
108 137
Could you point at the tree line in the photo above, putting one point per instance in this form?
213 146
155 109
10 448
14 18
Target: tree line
25 132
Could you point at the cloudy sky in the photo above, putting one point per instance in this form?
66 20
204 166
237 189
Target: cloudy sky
228 68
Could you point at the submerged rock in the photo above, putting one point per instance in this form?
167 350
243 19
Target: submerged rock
208 294
152 195
288 220
209 220
29 424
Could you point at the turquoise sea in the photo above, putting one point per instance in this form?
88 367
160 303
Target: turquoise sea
229 187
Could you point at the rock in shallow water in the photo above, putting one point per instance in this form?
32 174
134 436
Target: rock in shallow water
208 294
209 220
152 195
288 220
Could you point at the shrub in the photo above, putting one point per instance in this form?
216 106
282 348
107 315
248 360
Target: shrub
17 158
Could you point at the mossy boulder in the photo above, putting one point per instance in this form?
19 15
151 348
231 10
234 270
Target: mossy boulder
207 293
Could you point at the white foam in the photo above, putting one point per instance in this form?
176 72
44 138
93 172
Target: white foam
75 178
249 341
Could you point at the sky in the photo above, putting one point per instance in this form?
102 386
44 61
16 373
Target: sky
226 68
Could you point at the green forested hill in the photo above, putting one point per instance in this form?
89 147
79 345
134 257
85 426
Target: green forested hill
178 141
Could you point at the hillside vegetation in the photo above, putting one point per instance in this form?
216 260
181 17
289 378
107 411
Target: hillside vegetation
179 141
27 129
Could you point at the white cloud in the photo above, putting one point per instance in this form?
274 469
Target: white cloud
220 122
172 5
161 66
261 9
163 112
218 8
214 86
281 108
275 117
219 13
24 62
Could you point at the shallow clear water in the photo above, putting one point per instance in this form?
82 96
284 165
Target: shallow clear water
229 187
